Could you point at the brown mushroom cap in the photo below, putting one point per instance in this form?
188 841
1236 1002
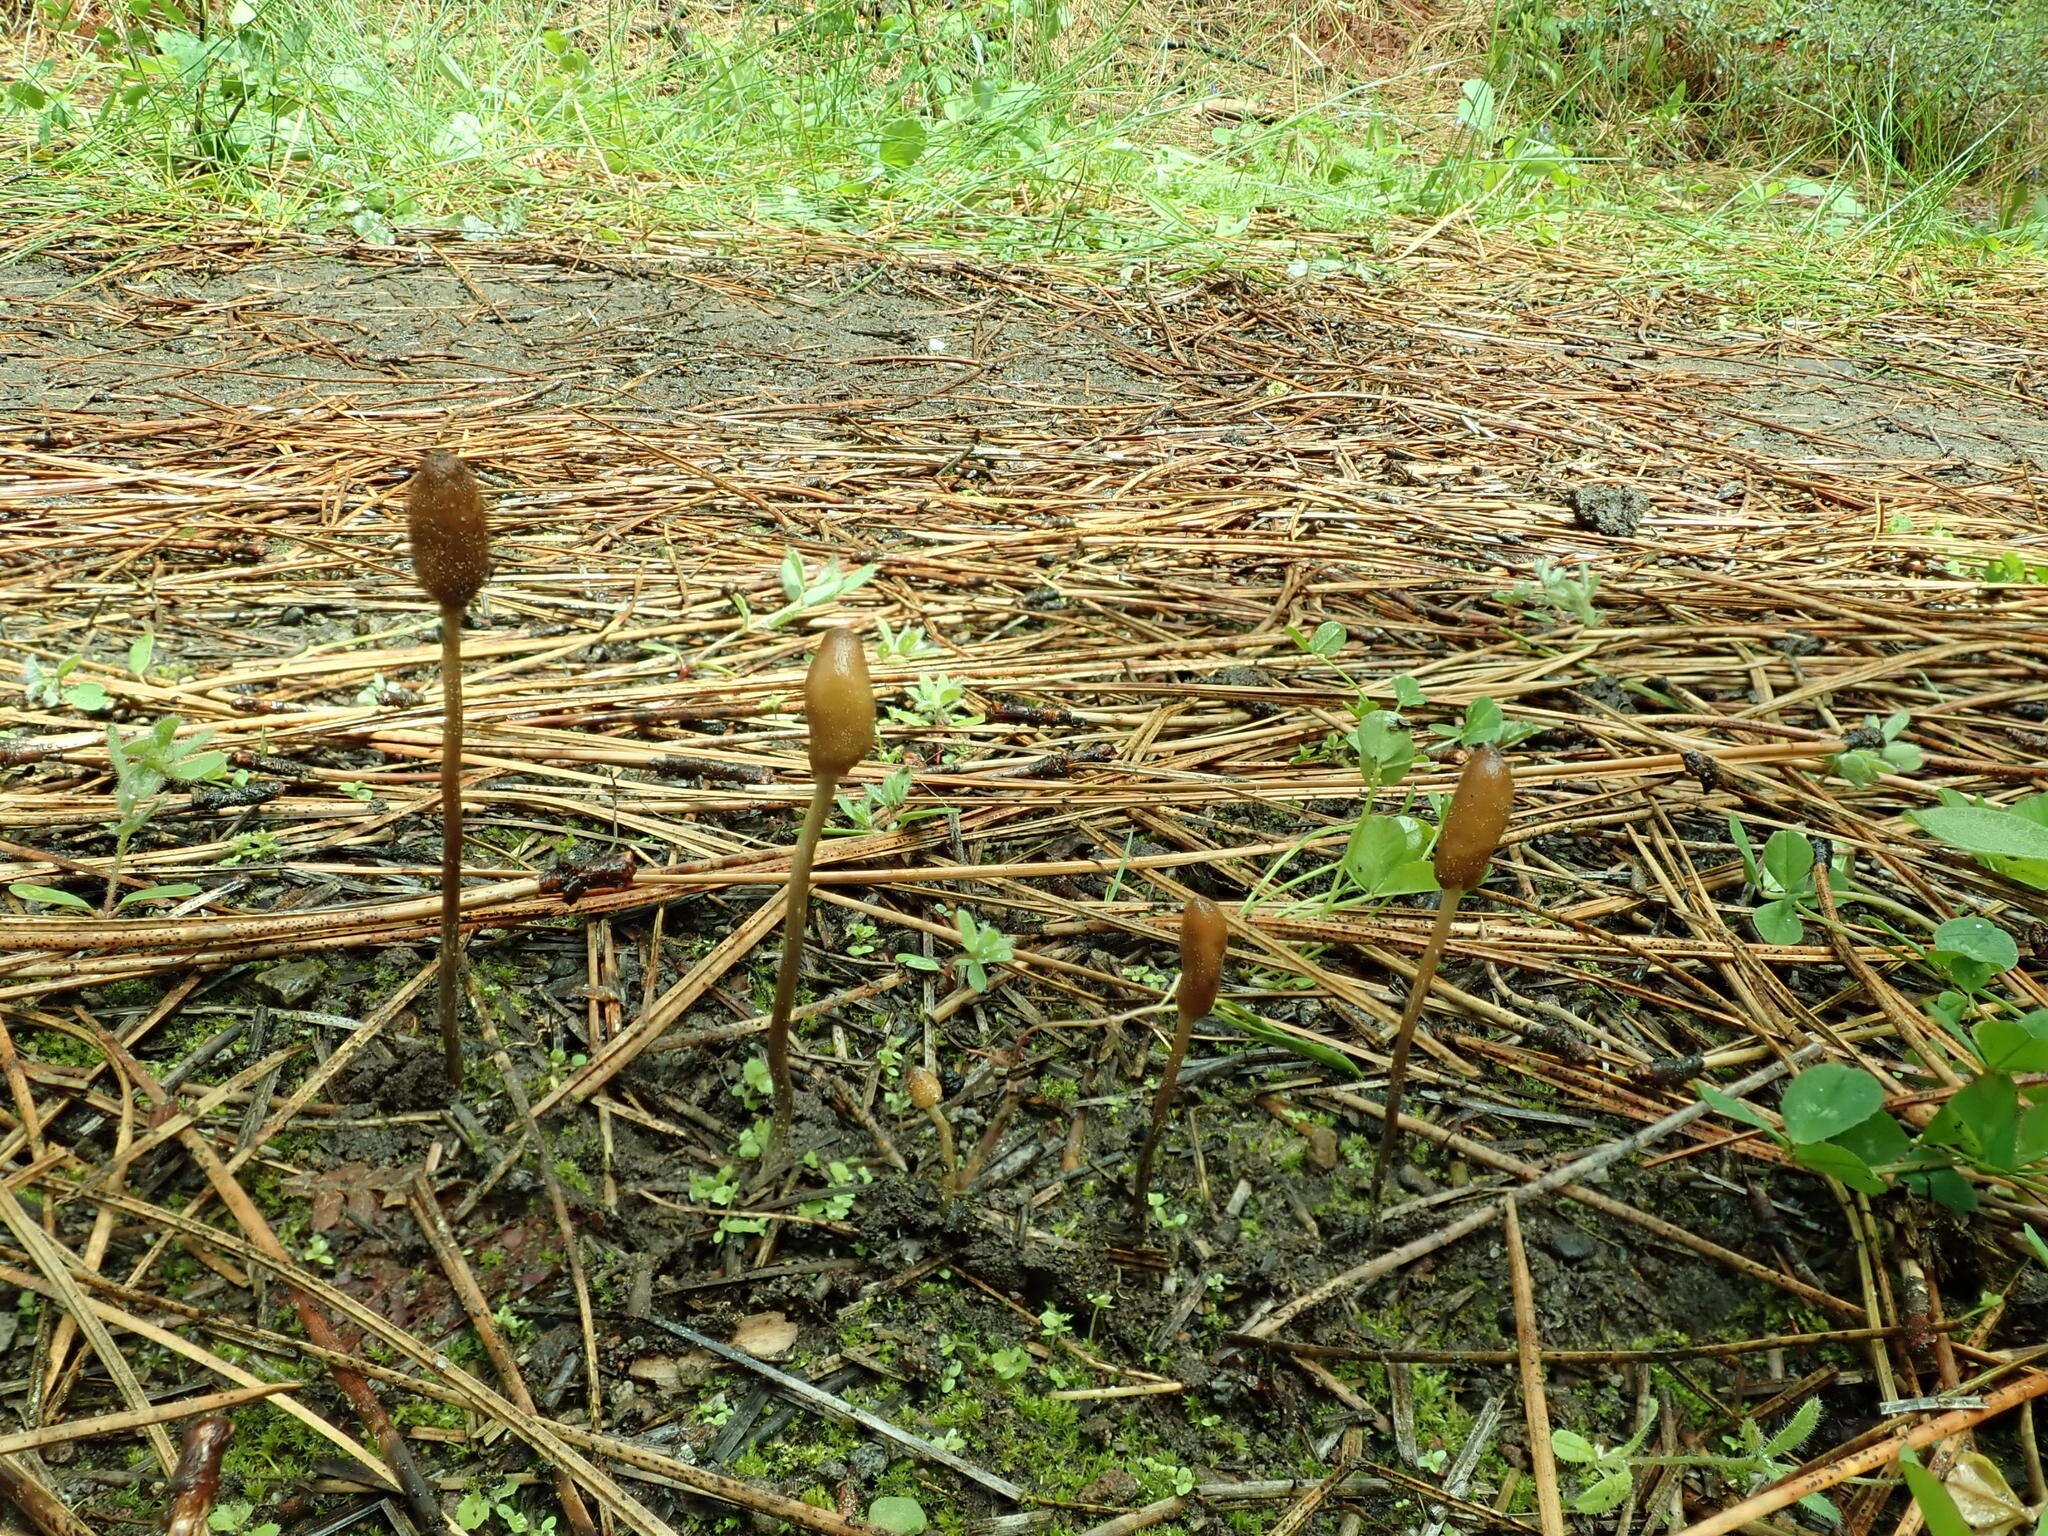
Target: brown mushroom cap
1478 815
1203 936
451 546
839 704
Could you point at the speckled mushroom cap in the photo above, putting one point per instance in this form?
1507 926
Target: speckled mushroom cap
451 546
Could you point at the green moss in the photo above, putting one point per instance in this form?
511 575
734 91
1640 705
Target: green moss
270 1449
57 1048
571 1174
430 1414
1058 1090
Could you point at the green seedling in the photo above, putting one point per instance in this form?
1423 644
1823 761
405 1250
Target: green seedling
881 805
49 690
451 555
922 1084
2010 839
1204 934
1788 896
905 644
839 708
937 701
2009 565
1472 828
1875 749
1750 1460
803 590
1485 724
981 946
143 765
1557 588
1832 1118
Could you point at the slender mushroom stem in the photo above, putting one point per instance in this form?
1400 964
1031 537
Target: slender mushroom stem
794 917
925 1095
1162 1108
839 709
449 981
451 556
1473 824
1404 1036
1203 935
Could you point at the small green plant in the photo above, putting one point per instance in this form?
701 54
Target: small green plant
1832 1118
981 946
1326 640
143 765
476 1508
1557 588
1484 723
1752 1459
936 700
233 1517
1782 876
880 805
2010 839
905 644
722 1189
2010 565
1009 1365
258 847
845 1179
1386 856
377 692
1875 749
1384 746
802 590
50 896
52 689
899 1515
1408 693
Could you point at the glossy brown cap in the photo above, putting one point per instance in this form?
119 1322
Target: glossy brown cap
839 704
1203 936
923 1085
1477 817
451 547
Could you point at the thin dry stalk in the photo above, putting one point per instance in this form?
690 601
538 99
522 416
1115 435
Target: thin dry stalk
1529 1357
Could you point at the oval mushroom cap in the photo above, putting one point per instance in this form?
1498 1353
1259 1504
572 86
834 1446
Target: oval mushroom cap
1203 935
1477 817
451 546
839 704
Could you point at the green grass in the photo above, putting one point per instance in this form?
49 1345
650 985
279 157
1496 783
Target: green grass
1020 127
1930 95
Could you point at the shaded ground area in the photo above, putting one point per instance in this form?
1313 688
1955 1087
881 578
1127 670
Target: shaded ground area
1105 523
